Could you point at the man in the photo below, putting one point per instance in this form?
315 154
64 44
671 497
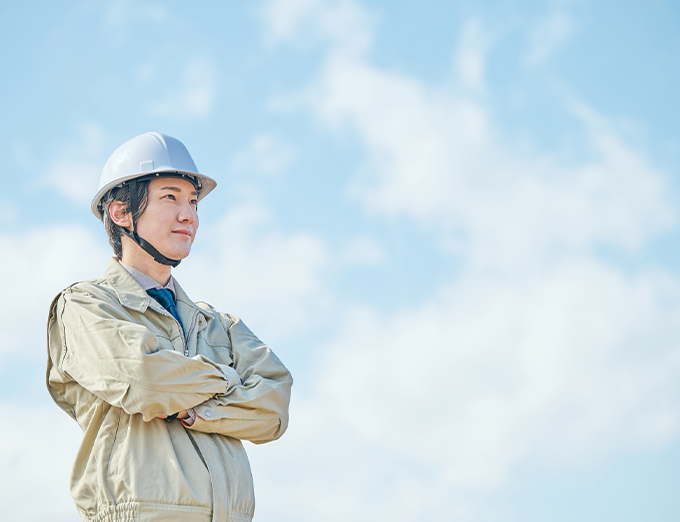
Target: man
164 389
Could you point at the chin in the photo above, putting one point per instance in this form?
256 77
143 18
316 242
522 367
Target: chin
182 255
178 253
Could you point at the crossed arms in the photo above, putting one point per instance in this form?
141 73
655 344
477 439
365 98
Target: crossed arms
110 355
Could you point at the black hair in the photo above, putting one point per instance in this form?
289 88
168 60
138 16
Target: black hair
122 194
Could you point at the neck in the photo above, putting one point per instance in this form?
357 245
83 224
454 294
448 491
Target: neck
138 259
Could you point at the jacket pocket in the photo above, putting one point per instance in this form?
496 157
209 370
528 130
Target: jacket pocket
118 440
156 462
215 347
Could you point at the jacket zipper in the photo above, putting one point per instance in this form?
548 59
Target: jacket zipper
163 311
185 337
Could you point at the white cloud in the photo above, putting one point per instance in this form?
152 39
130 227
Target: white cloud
363 250
551 369
158 13
470 56
121 17
75 179
36 463
547 35
116 18
421 413
437 157
266 154
194 96
344 22
283 17
23 155
76 170
537 353
36 264
9 212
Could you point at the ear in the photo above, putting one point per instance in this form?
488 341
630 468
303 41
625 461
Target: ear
118 214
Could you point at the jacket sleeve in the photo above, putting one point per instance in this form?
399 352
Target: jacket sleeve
257 409
120 361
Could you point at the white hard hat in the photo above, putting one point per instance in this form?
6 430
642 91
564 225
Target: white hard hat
147 155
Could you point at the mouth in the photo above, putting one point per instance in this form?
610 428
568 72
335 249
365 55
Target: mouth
185 233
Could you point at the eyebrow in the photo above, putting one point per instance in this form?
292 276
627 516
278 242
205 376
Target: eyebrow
175 189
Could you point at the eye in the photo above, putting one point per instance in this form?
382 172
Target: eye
169 196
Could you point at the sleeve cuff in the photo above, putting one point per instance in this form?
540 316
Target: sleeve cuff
192 417
231 374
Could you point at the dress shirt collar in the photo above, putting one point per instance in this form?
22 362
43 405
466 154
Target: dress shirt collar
145 281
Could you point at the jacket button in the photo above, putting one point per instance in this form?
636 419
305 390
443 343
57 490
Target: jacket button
208 413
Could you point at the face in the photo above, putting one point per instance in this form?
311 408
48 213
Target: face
170 220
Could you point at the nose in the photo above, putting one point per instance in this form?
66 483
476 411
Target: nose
187 213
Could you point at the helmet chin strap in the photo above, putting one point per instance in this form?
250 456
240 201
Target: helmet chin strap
148 247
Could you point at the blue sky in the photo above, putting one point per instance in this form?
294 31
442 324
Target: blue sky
456 223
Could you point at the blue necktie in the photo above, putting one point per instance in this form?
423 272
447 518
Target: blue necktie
167 300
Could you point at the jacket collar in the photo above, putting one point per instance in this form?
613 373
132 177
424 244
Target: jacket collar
128 291
131 295
181 296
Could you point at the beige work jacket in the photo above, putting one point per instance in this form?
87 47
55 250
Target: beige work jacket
118 360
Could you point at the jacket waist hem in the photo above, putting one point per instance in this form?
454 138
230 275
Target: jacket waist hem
138 511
